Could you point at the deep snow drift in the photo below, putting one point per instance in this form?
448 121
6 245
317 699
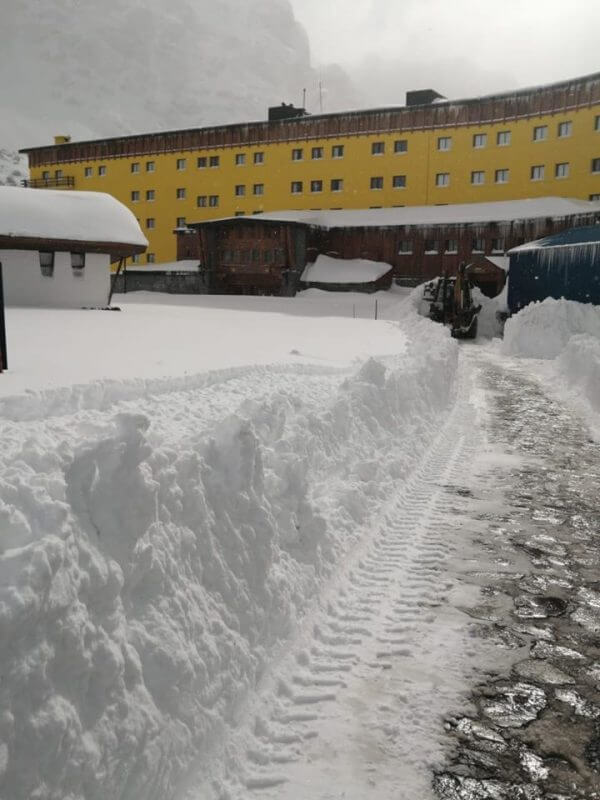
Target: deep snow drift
156 548
565 334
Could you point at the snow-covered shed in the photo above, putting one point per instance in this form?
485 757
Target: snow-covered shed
566 264
56 247
343 274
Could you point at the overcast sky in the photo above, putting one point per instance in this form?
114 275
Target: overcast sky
521 42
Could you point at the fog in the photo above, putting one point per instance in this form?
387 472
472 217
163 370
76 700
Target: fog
459 47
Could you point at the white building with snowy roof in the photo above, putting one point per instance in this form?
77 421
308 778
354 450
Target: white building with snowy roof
56 247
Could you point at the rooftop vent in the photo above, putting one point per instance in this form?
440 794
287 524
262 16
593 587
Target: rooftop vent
62 139
423 97
285 111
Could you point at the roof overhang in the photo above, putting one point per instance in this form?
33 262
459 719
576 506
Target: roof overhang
115 250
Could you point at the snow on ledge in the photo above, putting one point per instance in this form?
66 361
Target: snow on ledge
74 216
340 270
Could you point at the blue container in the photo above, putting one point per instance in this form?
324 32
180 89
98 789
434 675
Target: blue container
565 265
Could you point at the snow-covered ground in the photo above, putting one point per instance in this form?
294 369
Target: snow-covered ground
230 547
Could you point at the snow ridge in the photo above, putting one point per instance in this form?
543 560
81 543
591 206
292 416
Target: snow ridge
156 549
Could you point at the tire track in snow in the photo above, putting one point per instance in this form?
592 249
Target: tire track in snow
343 714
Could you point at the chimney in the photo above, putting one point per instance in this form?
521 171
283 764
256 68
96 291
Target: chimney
423 97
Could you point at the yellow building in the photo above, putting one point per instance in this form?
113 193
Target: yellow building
529 143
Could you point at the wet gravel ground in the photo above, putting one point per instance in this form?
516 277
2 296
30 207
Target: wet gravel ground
534 732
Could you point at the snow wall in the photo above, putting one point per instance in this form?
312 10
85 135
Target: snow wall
146 571
566 332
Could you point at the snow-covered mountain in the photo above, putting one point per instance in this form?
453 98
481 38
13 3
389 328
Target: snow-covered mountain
100 69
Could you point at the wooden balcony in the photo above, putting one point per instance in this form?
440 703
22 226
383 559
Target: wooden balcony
64 182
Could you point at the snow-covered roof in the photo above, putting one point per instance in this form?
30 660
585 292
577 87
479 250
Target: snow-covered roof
500 261
579 237
67 216
458 214
344 270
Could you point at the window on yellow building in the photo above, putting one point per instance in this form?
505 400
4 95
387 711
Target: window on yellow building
213 200
180 222
135 167
46 175
240 159
201 201
377 182
503 138
401 146
316 186
213 161
337 151
337 184
180 193
88 171
297 154
316 153
201 162
101 170
479 140
594 197
377 148
442 179
150 195
58 173
181 164
135 258
561 170
444 143
150 223
540 132
597 122
537 172
135 196
477 177
595 164
501 176
259 158
240 190
150 166
399 181
150 258
258 188
565 129
296 187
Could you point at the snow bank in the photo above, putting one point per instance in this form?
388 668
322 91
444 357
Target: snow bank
489 323
59 214
344 270
567 334
543 330
152 555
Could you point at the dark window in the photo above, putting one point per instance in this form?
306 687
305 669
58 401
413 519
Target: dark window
201 201
431 246
316 186
595 164
213 161
259 158
240 213
337 151
400 145
150 194
150 258
498 245
101 171
406 246
135 167
594 197
88 172
377 183
399 181
451 246
47 264
317 152
180 222
201 162
181 163
213 200
297 154
240 190
135 196
296 187
478 245
150 167
377 148
258 188
77 262
337 184
240 159
180 194
150 222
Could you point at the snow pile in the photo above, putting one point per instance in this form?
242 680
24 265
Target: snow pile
344 270
75 216
568 335
489 322
154 552
543 330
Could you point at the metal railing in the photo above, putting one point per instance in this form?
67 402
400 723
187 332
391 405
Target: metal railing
64 182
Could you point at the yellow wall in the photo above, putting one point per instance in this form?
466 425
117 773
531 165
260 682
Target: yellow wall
420 165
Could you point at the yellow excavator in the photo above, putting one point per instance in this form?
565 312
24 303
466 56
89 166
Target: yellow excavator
451 303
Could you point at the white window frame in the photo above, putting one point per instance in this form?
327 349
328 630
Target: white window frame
444 143
442 180
537 172
561 170
543 133
475 175
479 136
503 134
499 175
567 126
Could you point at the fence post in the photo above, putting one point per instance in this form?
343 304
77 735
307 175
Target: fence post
3 354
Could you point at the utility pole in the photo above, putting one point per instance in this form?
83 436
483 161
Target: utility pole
3 354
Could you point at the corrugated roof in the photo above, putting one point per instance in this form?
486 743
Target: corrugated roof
588 234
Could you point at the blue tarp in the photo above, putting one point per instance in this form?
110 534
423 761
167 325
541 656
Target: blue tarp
565 265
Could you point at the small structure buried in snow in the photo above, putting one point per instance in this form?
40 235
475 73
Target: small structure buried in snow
347 275
56 246
566 264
